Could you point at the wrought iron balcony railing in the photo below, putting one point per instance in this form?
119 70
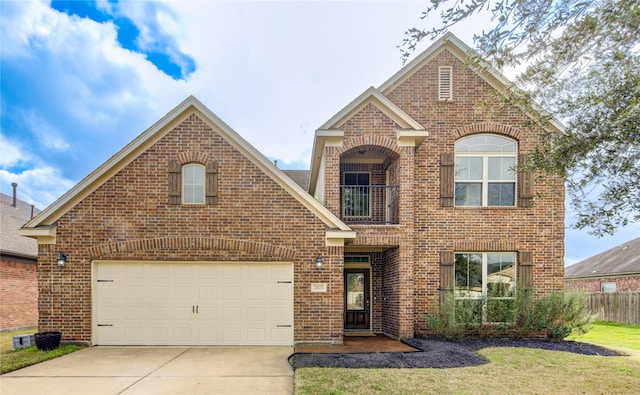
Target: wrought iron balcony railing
369 204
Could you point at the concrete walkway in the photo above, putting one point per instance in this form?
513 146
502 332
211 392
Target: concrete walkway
158 370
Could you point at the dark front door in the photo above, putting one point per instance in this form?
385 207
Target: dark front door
357 305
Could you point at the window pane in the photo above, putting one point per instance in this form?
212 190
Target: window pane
468 168
500 194
350 179
356 178
355 291
485 143
501 168
468 194
468 275
193 184
501 275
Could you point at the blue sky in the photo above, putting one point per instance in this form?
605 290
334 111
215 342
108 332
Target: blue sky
79 80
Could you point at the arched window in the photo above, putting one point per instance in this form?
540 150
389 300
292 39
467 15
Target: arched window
193 184
485 171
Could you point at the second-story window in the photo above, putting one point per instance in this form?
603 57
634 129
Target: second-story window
193 177
484 171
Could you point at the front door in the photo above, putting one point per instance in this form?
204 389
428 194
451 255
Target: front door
357 305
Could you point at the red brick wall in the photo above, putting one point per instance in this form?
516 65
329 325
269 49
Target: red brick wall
623 283
539 229
129 218
18 294
411 275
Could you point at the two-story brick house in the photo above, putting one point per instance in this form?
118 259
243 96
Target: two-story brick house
189 235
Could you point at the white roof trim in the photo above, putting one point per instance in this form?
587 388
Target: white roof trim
328 135
372 95
149 137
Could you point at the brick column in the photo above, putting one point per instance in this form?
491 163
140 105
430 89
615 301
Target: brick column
407 243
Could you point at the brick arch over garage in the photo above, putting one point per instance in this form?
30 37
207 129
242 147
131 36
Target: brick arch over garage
487 127
191 243
371 141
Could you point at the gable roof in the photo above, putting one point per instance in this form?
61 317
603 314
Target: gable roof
464 53
11 220
42 227
622 259
411 132
372 96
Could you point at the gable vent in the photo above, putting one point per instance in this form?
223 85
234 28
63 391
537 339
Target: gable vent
445 85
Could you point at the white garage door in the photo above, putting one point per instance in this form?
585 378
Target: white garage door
187 303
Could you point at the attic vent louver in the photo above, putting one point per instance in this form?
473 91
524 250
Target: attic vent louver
445 83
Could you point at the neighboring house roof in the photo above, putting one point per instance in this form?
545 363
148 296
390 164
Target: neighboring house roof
622 259
300 177
11 220
42 227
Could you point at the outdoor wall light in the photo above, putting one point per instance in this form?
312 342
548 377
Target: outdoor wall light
319 262
62 259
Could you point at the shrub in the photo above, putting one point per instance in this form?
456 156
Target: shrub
554 316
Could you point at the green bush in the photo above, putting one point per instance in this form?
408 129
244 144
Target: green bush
554 316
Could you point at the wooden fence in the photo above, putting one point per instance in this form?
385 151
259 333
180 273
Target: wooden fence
616 306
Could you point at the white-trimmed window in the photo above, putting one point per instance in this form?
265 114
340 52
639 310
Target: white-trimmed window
193 176
445 83
485 171
485 285
608 287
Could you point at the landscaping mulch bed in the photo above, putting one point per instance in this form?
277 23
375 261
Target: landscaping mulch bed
437 354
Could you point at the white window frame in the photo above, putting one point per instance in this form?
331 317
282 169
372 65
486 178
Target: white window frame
196 199
484 297
485 181
608 286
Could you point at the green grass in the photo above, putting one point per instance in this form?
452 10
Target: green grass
11 359
6 338
612 335
509 371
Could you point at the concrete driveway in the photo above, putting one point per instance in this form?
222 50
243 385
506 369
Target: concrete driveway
158 370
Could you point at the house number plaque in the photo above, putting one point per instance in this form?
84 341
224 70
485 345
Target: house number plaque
319 287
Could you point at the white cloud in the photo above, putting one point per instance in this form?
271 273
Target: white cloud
12 154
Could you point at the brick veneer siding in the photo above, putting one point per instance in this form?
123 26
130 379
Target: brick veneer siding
410 273
18 293
629 283
129 218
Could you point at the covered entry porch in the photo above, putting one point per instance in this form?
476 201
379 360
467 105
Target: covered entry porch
373 291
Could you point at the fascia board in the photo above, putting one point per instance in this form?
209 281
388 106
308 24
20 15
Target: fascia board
323 138
336 238
372 95
411 138
44 235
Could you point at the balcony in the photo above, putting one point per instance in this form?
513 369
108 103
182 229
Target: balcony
369 204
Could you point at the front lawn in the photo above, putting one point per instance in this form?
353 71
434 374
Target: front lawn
509 370
11 359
